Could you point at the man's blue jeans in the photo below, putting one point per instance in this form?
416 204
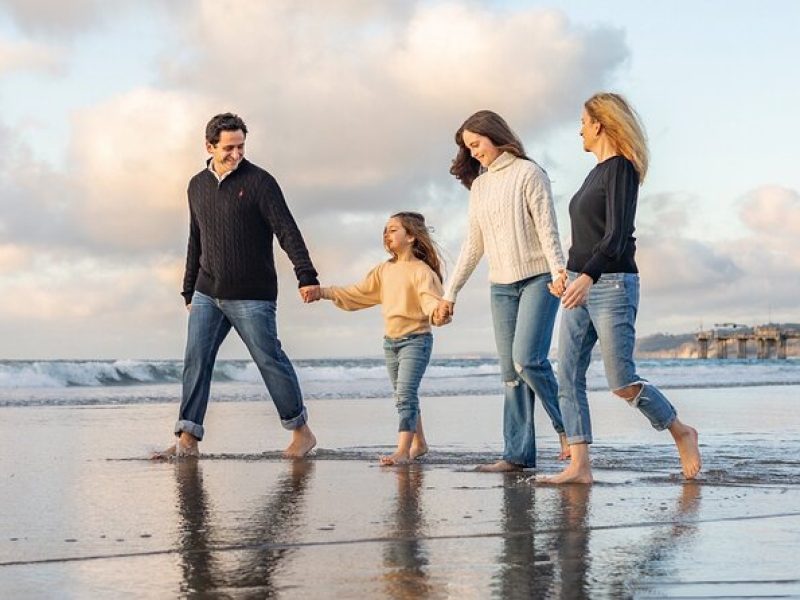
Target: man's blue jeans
609 315
524 313
406 360
210 320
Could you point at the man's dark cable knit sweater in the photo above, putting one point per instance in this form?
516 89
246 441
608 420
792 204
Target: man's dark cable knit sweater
230 236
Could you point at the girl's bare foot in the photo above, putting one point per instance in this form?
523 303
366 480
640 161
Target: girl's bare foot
398 458
501 466
303 441
417 450
565 452
688 449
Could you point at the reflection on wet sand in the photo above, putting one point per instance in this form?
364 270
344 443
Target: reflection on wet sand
278 513
197 562
651 558
404 558
543 565
573 542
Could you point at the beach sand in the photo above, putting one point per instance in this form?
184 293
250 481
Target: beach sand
84 514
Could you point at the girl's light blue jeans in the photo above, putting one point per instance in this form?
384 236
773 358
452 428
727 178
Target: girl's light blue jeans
524 314
608 316
406 360
210 320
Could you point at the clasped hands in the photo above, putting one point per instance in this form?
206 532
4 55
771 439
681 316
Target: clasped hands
310 293
571 294
443 313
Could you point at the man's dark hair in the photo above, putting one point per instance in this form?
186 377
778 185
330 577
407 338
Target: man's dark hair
223 122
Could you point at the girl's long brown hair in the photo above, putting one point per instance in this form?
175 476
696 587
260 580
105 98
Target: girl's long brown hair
487 123
424 248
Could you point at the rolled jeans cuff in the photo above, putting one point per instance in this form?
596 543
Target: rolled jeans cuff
579 439
296 422
189 427
408 422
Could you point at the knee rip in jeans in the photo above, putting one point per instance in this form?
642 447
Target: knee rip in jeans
512 382
631 393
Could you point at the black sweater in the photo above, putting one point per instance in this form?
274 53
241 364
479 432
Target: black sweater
602 214
230 236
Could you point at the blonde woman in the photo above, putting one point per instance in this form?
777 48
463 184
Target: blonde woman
602 293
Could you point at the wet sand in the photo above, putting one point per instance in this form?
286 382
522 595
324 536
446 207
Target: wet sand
85 515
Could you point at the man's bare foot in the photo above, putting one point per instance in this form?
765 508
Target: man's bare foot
303 441
565 452
688 449
501 466
179 449
398 458
417 450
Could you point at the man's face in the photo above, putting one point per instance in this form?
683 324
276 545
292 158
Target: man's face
228 152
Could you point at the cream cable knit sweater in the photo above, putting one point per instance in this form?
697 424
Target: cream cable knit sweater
512 220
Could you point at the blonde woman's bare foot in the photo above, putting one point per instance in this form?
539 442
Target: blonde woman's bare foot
688 449
417 450
572 474
177 450
565 453
398 458
501 466
303 441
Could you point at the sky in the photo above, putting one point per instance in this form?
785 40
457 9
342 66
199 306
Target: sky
352 106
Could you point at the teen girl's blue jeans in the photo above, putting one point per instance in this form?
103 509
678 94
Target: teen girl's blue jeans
210 320
608 315
406 360
524 313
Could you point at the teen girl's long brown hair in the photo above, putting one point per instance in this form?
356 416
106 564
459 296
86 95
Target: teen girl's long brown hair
487 123
424 248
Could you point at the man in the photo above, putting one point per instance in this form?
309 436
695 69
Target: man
235 209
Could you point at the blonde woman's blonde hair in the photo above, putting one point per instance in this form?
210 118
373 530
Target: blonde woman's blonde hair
623 126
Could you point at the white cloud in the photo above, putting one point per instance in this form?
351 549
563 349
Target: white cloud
132 157
687 281
58 16
344 99
773 211
29 56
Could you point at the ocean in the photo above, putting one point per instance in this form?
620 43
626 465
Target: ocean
93 382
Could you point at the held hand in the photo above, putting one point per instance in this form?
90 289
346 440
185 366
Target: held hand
310 293
189 307
446 309
577 291
559 284
440 320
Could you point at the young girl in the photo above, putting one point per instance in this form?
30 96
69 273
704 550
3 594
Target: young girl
408 286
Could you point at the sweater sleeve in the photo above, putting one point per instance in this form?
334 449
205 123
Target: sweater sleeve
622 190
276 212
468 258
364 294
430 292
193 251
539 199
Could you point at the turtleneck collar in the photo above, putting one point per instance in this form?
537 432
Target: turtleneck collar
502 161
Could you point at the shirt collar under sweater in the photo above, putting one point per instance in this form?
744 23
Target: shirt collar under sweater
502 161
222 177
